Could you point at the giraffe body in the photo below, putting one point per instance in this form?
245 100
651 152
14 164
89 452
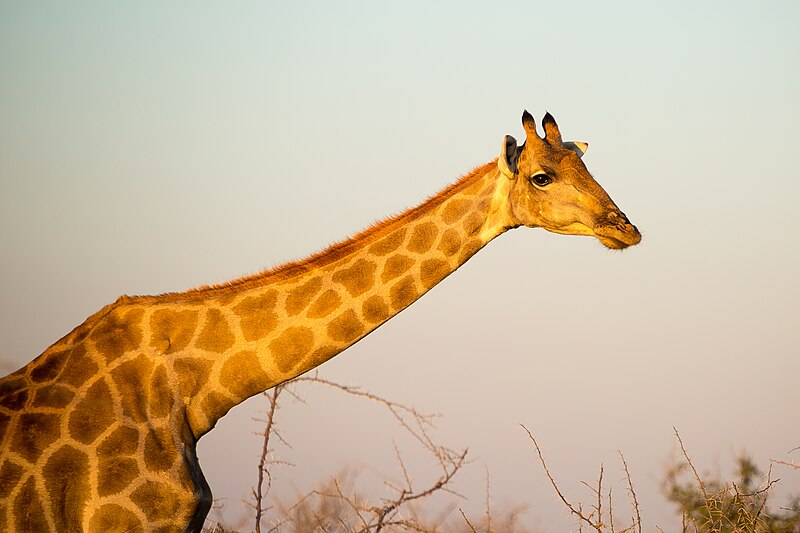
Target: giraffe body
99 432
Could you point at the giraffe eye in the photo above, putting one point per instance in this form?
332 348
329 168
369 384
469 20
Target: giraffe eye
541 179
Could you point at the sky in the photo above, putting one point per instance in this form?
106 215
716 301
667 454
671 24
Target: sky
147 148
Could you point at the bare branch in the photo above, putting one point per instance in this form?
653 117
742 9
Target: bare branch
471 527
610 510
638 522
785 463
576 512
691 465
260 493
488 492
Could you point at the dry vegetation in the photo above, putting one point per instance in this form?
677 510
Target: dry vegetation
704 503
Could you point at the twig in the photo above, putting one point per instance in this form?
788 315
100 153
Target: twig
574 511
638 522
407 496
422 421
471 527
262 462
600 495
359 516
488 511
610 510
697 477
785 463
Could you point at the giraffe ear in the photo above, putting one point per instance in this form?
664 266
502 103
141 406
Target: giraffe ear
577 146
509 156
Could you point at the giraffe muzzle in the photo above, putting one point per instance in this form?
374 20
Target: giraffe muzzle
617 232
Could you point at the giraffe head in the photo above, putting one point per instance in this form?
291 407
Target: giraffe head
552 189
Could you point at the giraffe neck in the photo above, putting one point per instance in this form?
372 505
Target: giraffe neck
258 332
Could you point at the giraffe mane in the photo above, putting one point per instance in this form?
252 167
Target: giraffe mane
328 255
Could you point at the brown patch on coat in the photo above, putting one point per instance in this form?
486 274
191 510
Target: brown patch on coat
454 210
35 433
28 510
390 243
403 293
243 375
422 238
171 331
215 405
67 474
291 346
321 355
50 367
160 398
159 449
358 278
432 271
193 374
216 335
123 440
115 473
374 309
129 379
299 297
346 327
81 367
395 266
118 333
56 396
257 315
93 414
450 242
10 476
473 223
113 517
157 500
327 302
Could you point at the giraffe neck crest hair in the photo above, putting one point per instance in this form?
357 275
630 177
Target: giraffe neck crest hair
99 432
331 253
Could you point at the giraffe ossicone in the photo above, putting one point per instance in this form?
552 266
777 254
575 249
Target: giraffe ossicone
98 433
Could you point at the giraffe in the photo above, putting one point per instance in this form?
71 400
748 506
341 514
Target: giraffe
99 432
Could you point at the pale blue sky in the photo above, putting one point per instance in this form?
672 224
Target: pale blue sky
147 148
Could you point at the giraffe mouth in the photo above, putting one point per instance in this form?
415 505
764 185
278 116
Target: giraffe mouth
616 232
